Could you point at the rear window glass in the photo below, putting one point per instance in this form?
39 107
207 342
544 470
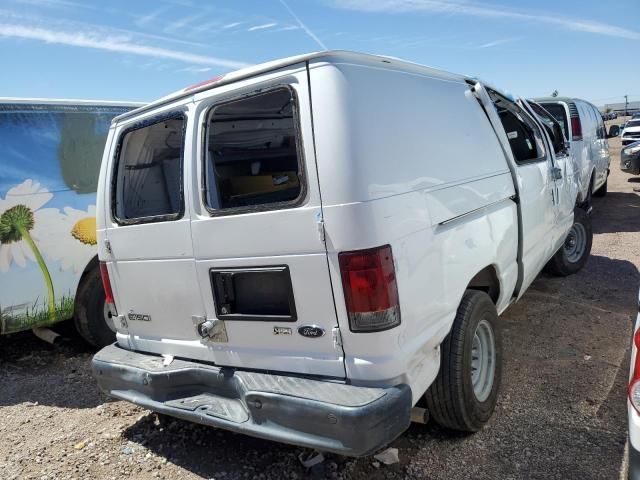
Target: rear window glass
252 156
559 113
149 171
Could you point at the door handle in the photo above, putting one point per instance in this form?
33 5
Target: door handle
556 173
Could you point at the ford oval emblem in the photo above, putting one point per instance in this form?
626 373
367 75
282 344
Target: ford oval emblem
311 331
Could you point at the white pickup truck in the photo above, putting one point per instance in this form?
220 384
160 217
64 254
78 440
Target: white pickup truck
306 250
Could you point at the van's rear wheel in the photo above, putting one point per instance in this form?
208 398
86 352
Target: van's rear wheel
464 394
92 319
576 249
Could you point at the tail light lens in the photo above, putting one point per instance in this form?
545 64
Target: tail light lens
634 383
370 289
106 284
576 128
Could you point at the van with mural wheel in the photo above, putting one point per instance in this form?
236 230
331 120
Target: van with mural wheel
50 154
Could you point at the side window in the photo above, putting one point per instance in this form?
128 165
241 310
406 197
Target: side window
525 138
148 175
252 158
600 128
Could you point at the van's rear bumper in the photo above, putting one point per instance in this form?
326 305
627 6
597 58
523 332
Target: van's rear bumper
323 415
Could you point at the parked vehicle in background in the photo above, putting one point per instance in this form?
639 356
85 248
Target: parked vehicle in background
630 158
584 129
300 286
49 164
635 115
630 132
633 403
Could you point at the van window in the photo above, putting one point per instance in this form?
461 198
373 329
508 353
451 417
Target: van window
601 131
525 138
551 124
560 114
149 172
252 158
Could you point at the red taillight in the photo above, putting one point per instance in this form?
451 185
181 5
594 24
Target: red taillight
370 289
106 284
634 383
576 128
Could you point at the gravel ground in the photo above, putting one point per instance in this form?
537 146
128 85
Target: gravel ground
561 412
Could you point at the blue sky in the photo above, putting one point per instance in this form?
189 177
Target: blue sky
143 49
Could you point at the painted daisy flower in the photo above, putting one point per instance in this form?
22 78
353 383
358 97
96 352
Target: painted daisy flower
71 239
20 213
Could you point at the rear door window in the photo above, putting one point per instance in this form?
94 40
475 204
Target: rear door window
560 114
148 174
253 155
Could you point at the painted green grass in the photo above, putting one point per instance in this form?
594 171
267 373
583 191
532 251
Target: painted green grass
37 315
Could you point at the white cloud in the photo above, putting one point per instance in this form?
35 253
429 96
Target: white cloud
495 43
304 27
261 27
195 69
183 22
288 28
150 17
121 44
231 25
477 9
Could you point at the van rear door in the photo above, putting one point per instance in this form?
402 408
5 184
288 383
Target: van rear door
147 237
257 229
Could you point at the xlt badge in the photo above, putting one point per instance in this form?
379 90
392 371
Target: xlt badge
281 331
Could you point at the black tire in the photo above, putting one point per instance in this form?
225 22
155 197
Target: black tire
89 311
602 191
451 399
561 264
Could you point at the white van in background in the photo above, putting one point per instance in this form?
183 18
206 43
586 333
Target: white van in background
306 249
584 128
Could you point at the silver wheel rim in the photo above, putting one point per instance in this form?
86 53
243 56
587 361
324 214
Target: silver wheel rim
483 360
108 319
575 243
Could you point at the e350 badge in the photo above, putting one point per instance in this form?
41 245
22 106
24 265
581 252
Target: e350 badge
138 317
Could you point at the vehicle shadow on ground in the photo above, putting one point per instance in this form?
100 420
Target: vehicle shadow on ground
617 212
35 372
214 453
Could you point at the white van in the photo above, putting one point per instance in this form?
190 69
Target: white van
306 249
584 129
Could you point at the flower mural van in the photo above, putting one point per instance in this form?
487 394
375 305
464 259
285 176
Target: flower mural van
50 153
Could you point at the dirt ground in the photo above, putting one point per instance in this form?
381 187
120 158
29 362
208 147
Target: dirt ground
561 413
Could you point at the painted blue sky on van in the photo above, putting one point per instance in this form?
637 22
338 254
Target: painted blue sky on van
143 50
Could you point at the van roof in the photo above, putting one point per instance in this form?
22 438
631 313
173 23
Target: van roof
65 102
559 99
334 56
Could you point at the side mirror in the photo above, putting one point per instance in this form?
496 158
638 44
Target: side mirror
614 131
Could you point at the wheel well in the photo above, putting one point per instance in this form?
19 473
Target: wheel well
487 281
93 263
